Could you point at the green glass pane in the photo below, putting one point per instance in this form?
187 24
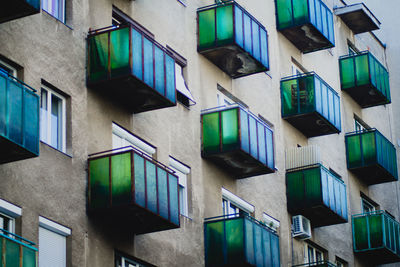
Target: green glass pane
1 249
121 179
295 189
211 132
98 57
353 150
368 148
99 194
285 13
206 28
140 193
362 70
375 230
12 254
119 52
360 232
306 94
312 183
230 130
224 24
289 97
300 11
387 87
29 257
347 76
214 243
234 240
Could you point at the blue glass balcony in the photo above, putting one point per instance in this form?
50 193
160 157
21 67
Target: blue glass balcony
16 251
15 9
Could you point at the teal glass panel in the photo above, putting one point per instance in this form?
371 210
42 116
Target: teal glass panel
262 147
12 253
375 230
330 27
343 200
353 151
98 57
244 131
324 22
138 167
300 11
324 186
229 127
269 136
253 137
159 70
170 78
121 179
374 70
211 132
362 70
289 97
256 40
249 242
239 26
119 52
234 241
347 74
360 233
29 257
267 248
264 47
305 94
284 13
15 112
318 95
247 33
295 189
368 148
148 75
99 192
337 121
3 103
162 192
311 8
331 111
312 186
31 121
275 251
137 52
151 186
173 199
214 243
318 14
224 24
338 204
206 28
258 244
325 101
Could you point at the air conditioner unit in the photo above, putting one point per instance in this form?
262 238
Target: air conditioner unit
301 227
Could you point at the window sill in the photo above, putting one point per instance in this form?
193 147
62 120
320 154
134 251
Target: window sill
64 153
60 21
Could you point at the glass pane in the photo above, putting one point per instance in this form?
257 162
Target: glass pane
98 57
244 130
249 242
170 78
312 183
360 232
138 167
3 104
362 73
121 179
306 94
239 26
99 191
347 75
353 149
247 33
56 122
256 40
214 243
15 112
269 135
29 257
162 192
376 230
285 13
234 241
300 11
267 248
119 52
206 28
264 48
159 69
368 148
11 253
151 186
230 134
211 132
148 75
295 189
262 151
224 24
173 199
253 137
137 68
31 121
289 97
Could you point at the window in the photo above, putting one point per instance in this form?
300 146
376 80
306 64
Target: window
8 213
367 205
340 262
56 8
53 119
296 70
182 172
352 48
125 261
52 243
7 69
223 100
183 94
358 127
313 254
123 138
232 204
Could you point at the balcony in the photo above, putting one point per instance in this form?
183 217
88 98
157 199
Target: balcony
310 105
232 39
318 194
130 189
19 120
15 9
237 140
316 264
239 241
358 18
16 251
127 66
376 237
308 24
365 79
371 157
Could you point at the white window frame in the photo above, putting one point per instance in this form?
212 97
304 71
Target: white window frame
314 250
223 99
119 134
229 199
11 68
366 202
358 127
50 94
182 171
296 70
131 262
61 12
10 212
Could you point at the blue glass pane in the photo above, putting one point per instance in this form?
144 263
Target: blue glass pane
267 248
173 199
249 241
337 111
311 7
262 151
264 47
31 121
170 78
3 104
247 33
324 29
318 95
138 165
253 136
159 67
331 192
256 41
15 112
239 26
343 201
318 14
338 204
324 185
162 193
275 251
151 186
244 130
148 76
331 112
270 148
325 106
258 250
137 67
330 27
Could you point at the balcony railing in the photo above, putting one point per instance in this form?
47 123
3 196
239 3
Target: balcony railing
358 18
239 241
238 141
308 24
376 237
132 189
232 39
371 157
16 251
131 68
365 79
310 105
317 194
19 120
316 264
15 9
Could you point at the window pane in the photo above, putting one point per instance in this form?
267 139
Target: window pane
56 122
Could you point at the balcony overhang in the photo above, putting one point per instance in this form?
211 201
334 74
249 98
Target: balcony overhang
15 9
358 18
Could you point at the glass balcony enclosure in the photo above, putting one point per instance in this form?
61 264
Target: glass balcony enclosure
130 68
231 241
237 140
15 9
358 18
376 237
365 79
317 194
128 188
371 156
232 39
310 105
19 120
16 251
316 264
308 24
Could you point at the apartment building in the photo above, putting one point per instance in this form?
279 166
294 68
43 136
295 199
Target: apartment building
199 133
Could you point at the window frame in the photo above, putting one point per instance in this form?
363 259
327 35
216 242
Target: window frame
314 250
13 70
241 206
182 171
122 257
367 202
11 212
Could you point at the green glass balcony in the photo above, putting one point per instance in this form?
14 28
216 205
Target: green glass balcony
358 18
308 24
239 241
129 189
133 70
365 79
376 237
317 194
16 251
371 157
238 141
310 105
316 264
15 9
232 39
19 120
